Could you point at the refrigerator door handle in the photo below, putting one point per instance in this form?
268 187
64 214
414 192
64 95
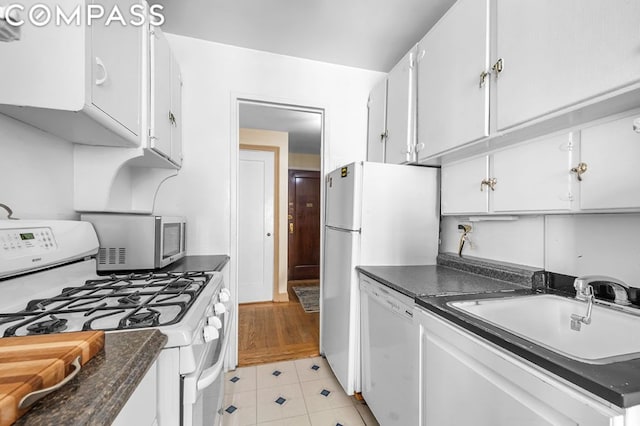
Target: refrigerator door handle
342 229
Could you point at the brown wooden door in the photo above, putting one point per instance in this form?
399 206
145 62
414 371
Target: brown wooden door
304 225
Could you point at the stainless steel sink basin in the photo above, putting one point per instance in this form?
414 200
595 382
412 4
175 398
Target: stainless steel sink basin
545 320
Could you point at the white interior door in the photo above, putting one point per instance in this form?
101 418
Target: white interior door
255 226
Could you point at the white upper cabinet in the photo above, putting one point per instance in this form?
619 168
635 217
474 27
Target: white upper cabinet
453 92
533 176
392 106
462 188
611 177
176 112
80 82
558 54
377 126
401 99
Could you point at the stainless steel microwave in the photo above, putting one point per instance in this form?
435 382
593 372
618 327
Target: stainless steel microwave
137 242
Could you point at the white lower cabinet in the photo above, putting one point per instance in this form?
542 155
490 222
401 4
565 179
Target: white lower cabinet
468 381
142 406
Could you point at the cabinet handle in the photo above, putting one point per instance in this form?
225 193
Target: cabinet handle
483 78
105 75
498 66
172 118
579 170
384 135
491 183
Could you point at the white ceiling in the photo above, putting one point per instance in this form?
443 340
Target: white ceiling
305 128
369 34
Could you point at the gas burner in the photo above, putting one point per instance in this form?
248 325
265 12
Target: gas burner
52 325
180 283
132 299
141 319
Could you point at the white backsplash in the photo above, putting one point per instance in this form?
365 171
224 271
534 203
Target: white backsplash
516 241
579 244
594 244
36 172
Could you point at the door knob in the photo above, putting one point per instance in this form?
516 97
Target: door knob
268 234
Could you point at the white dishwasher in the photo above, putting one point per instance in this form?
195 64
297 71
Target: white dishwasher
390 354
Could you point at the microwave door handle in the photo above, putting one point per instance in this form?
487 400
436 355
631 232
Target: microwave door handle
210 375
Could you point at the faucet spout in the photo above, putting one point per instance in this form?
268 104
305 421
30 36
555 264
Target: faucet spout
619 288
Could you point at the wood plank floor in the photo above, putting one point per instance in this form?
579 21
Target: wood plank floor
270 332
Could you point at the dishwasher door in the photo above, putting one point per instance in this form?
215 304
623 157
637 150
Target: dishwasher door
390 354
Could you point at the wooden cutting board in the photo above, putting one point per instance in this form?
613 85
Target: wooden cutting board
31 363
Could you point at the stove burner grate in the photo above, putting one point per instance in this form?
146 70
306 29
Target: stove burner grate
52 325
150 318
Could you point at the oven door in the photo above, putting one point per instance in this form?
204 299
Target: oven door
203 390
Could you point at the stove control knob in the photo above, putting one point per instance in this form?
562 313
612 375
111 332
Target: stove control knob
224 295
210 333
219 309
214 322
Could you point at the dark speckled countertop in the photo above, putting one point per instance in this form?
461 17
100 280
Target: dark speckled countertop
455 278
98 393
433 280
200 263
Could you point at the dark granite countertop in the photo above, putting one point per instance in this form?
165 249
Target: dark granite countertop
433 280
617 382
203 263
103 386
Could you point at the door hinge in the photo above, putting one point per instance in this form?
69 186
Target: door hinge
498 67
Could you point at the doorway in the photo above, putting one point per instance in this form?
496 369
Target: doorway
281 329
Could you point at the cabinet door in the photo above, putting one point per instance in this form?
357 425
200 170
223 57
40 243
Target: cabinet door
400 111
116 55
160 132
611 152
533 177
376 106
559 53
453 107
176 112
461 189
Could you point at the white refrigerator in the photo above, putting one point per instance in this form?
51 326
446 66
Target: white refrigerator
376 214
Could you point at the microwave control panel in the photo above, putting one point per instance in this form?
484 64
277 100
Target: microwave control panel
26 242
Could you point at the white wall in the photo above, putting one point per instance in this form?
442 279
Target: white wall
214 74
520 241
36 172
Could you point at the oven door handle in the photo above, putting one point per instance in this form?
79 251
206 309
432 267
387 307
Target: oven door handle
210 375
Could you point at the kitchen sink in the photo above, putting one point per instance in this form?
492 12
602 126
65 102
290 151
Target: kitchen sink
546 321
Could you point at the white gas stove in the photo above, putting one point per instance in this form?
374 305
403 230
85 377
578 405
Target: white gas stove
49 285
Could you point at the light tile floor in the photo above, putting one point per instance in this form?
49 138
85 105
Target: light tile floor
303 392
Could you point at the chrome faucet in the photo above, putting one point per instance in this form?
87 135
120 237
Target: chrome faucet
584 291
619 288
